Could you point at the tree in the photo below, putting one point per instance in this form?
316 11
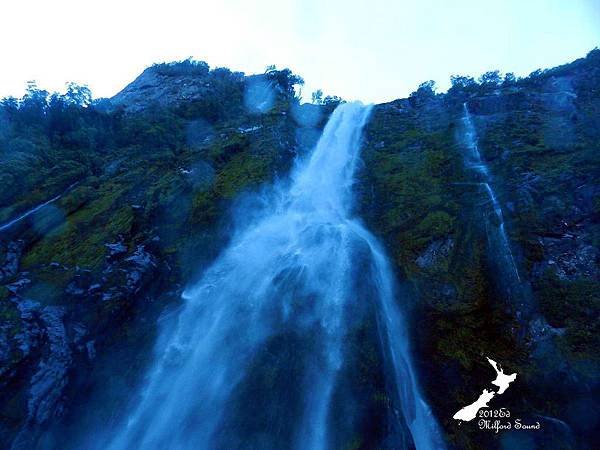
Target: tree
185 67
332 100
490 78
462 84
594 53
9 104
33 104
461 81
426 90
35 95
284 78
317 97
79 95
535 78
509 79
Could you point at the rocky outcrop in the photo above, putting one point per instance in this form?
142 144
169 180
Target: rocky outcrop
50 377
39 344
436 251
10 254
154 87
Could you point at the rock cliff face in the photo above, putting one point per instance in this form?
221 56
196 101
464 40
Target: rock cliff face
538 143
147 181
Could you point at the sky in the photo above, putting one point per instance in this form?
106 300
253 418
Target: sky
374 50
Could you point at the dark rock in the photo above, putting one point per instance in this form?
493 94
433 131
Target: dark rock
116 248
570 259
10 253
155 88
91 350
436 251
124 277
50 377
19 284
80 284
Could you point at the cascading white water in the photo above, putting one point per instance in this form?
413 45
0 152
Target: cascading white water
291 269
474 162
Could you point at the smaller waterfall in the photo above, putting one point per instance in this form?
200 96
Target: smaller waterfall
16 220
424 429
504 239
517 290
497 235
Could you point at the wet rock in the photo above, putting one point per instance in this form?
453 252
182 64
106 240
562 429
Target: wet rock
493 103
141 258
442 296
77 331
568 257
125 277
19 284
540 330
559 94
117 248
80 285
18 336
45 341
50 378
91 349
4 349
139 264
10 254
30 332
437 250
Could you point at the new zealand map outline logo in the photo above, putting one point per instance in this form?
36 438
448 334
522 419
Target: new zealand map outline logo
502 381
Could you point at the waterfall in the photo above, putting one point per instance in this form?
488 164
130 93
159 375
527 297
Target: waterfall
474 162
32 211
289 271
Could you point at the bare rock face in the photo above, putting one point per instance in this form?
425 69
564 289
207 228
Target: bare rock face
155 88
42 346
37 343
212 92
50 377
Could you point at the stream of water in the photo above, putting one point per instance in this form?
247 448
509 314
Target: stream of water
35 209
475 163
292 271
